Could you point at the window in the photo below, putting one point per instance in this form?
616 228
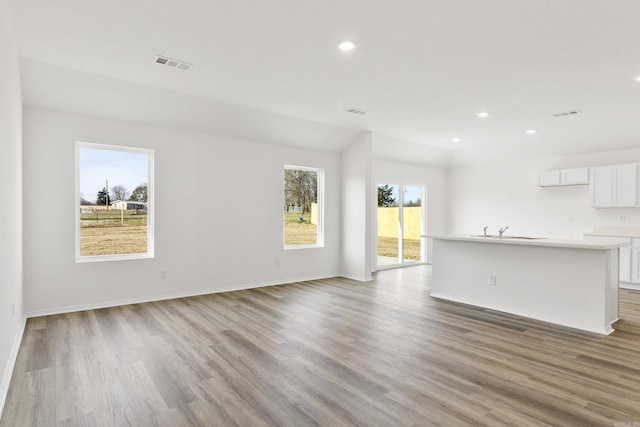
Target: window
114 202
303 209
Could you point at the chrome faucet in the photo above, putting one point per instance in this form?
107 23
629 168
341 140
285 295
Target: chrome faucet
485 231
502 230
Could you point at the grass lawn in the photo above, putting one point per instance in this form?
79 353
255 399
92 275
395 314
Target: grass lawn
388 246
114 239
297 232
103 233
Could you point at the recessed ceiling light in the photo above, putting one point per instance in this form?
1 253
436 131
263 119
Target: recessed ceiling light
483 114
347 45
456 139
532 131
638 79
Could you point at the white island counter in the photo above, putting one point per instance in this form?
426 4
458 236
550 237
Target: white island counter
567 282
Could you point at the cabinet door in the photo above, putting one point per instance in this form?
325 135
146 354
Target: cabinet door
602 187
574 176
625 264
635 265
549 178
625 184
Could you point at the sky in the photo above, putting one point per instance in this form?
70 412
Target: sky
412 193
126 168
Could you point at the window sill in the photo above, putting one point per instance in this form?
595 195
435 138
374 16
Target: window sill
294 247
118 257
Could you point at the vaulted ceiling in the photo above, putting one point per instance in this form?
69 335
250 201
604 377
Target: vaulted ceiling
421 69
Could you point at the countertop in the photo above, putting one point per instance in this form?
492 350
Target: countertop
557 243
628 232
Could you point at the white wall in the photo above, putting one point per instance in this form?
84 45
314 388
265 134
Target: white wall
224 233
11 323
52 87
435 181
397 150
357 209
507 194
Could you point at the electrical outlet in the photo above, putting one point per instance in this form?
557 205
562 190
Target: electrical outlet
492 280
163 274
570 218
622 219
278 263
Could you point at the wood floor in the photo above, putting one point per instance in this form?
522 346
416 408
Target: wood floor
323 353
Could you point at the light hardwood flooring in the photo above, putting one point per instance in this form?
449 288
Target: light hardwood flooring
323 353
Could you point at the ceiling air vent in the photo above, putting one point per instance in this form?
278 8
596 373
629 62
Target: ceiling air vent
356 110
567 113
171 62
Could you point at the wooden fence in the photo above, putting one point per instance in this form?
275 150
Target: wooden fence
388 220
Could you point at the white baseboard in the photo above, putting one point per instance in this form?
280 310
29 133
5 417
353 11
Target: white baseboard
117 303
11 363
632 286
403 265
358 278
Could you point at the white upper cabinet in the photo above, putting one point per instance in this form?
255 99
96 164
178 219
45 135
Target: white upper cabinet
614 186
549 178
610 186
625 184
577 176
602 187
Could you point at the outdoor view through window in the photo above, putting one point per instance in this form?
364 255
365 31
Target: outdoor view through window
114 198
400 224
302 206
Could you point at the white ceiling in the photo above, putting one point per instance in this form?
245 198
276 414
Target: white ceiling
422 68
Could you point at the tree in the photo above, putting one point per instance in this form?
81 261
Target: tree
103 198
414 203
85 202
119 192
385 196
300 188
139 193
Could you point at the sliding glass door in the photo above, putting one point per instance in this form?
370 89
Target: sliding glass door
400 224
411 224
388 225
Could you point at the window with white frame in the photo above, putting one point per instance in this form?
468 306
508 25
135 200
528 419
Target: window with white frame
114 202
303 207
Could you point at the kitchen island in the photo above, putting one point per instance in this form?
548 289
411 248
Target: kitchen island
571 283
